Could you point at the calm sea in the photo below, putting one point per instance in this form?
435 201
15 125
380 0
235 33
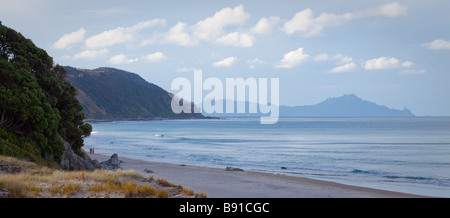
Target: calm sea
401 154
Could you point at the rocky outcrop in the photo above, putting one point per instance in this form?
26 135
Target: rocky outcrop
112 164
71 161
233 169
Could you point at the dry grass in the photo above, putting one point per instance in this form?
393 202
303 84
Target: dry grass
26 180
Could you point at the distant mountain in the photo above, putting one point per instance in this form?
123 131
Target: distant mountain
113 94
348 105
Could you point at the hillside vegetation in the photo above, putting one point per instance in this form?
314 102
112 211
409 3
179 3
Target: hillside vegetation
36 104
113 94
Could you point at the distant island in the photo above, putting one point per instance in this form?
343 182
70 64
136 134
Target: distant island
112 94
348 105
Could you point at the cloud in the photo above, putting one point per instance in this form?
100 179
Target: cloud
91 54
292 59
212 27
344 62
265 25
342 59
66 41
321 57
383 63
304 22
387 10
237 40
119 35
178 34
122 59
438 44
307 25
407 64
344 68
227 62
254 62
155 57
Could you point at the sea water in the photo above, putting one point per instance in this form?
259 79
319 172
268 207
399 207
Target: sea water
400 154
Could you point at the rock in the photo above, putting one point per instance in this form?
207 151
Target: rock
233 169
283 168
96 164
71 161
148 171
4 193
112 164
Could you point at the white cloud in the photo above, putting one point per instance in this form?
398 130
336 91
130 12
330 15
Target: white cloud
155 57
237 40
108 38
304 23
91 54
254 62
212 27
438 44
407 64
344 68
265 25
178 34
321 57
66 41
120 34
387 10
122 59
383 63
227 62
292 59
342 59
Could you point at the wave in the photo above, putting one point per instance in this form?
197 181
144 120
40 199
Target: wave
410 178
371 172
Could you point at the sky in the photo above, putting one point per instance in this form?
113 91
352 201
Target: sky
394 53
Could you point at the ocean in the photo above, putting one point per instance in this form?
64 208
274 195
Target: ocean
409 155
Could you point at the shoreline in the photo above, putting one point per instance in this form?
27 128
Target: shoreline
219 183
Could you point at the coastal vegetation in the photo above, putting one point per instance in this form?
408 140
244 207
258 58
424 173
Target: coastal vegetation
25 179
38 108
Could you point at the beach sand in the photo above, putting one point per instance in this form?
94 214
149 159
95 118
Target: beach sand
219 183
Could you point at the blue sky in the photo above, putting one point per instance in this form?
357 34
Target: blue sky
394 53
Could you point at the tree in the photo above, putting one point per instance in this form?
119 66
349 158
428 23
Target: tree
35 101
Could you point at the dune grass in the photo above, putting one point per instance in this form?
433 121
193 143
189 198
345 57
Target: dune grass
27 180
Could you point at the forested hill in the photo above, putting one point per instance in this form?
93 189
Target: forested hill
37 107
113 94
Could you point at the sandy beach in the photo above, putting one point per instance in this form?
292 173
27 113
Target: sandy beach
219 183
